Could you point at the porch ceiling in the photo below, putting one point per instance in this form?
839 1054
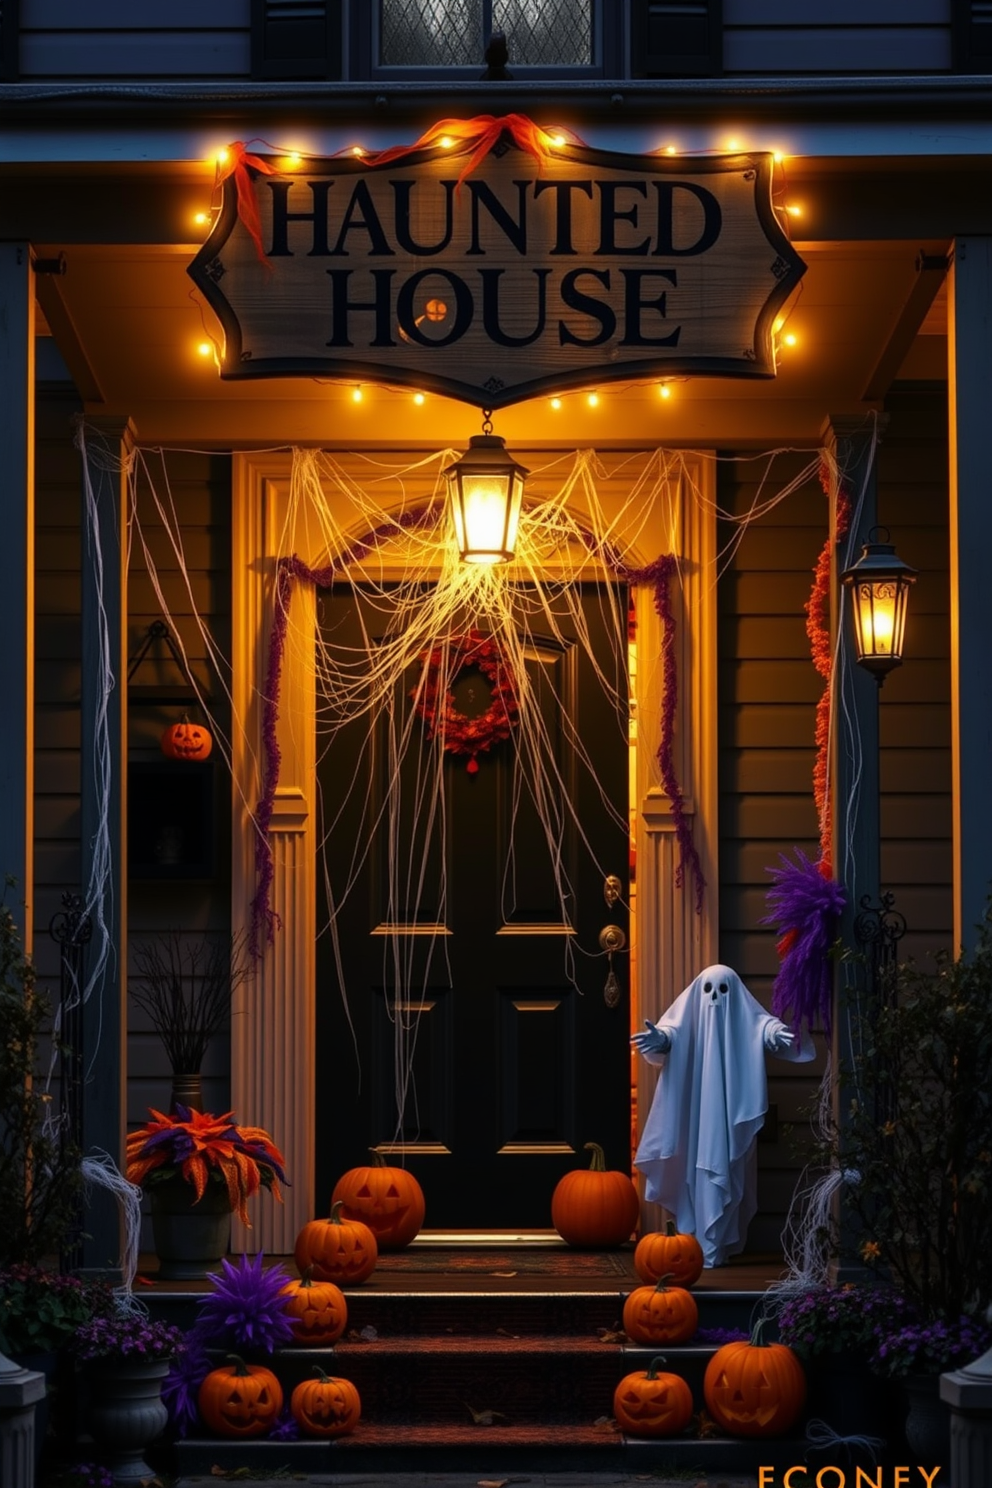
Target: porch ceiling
128 323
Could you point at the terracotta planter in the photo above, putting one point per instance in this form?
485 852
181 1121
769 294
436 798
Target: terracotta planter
126 1413
191 1237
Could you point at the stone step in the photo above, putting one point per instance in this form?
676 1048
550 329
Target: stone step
489 1451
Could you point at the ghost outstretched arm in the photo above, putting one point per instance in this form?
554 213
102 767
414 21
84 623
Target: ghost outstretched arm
777 1037
654 1043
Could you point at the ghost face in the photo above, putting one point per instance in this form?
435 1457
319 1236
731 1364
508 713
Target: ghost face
715 987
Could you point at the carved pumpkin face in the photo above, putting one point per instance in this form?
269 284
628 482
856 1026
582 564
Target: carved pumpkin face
186 741
240 1399
336 1249
389 1200
647 1403
669 1253
754 1389
326 1406
317 1310
660 1314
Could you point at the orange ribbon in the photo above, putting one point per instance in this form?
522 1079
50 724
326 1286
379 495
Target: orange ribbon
481 133
236 164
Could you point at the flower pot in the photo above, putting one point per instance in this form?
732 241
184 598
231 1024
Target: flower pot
187 1090
928 1420
190 1237
126 1413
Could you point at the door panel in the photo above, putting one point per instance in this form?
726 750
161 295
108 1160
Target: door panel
481 1010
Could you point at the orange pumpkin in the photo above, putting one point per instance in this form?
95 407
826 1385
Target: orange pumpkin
240 1399
187 741
647 1403
660 1314
754 1388
669 1253
336 1249
317 1310
389 1200
325 1406
594 1207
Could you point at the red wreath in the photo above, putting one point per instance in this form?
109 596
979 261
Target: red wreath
460 734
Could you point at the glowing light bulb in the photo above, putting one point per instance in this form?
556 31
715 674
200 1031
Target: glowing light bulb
201 219
205 349
777 156
358 152
593 400
733 144
790 339
419 399
446 142
664 391
670 150
294 159
555 403
356 395
557 139
794 210
222 157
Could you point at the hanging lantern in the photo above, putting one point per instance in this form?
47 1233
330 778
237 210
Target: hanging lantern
879 583
486 488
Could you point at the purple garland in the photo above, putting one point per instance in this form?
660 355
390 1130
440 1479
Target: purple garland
264 919
658 574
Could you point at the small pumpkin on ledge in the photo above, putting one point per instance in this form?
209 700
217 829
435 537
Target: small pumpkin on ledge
660 1314
668 1252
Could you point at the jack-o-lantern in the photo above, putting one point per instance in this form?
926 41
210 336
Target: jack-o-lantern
660 1314
669 1253
754 1388
647 1403
389 1200
325 1406
240 1399
336 1249
594 1207
186 741
317 1310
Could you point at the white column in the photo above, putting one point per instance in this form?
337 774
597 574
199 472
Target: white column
17 581
969 352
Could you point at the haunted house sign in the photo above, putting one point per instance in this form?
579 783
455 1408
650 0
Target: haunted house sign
526 276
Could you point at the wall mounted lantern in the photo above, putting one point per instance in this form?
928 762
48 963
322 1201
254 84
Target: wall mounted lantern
486 488
879 583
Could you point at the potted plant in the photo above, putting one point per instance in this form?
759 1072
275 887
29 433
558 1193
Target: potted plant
916 1355
185 989
40 1179
836 1330
199 1169
126 1357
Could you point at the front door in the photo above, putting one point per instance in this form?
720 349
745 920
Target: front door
465 1031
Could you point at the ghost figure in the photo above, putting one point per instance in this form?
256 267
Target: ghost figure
697 1149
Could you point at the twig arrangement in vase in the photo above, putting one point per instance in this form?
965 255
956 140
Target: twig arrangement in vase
185 988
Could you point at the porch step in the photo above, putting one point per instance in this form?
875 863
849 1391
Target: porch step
376 1448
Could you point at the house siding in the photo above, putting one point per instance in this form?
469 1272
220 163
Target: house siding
837 36
61 39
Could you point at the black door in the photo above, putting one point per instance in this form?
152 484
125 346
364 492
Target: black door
483 1017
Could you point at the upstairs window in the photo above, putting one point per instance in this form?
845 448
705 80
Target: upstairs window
437 38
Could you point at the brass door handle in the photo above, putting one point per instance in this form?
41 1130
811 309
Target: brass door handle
612 939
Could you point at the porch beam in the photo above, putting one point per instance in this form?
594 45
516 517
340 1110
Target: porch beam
17 329
103 813
969 355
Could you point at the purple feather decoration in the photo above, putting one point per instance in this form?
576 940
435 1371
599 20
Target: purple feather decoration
804 908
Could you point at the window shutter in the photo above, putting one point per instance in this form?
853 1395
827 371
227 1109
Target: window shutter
973 35
676 38
295 39
9 33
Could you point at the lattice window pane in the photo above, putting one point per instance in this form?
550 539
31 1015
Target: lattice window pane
546 33
431 33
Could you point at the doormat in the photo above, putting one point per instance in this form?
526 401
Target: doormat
576 1263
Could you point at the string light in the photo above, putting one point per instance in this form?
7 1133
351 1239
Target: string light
664 391
294 159
790 339
205 349
446 142
358 152
556 403
733 144
201 219
670 150
356 395
222 157
419 399
794 210
557 140
593 400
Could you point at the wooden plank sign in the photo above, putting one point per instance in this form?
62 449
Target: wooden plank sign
526 277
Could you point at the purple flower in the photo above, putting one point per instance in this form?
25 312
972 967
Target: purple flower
287 1428
930 1348
126 1336
181 1386
248 1309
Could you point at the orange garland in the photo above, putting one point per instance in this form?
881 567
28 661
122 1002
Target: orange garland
821 648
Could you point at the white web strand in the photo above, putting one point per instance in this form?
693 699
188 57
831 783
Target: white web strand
100 1171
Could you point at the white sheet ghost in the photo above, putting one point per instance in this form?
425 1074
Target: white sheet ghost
697 1149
